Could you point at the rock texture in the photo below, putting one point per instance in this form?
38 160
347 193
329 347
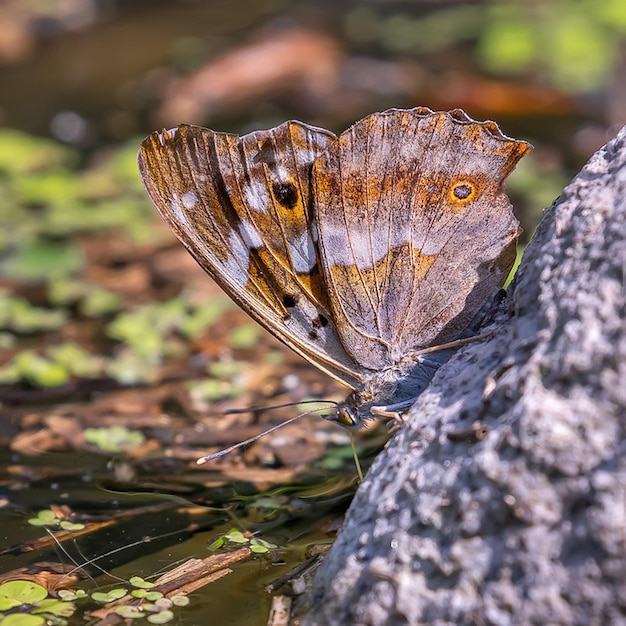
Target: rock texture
524 523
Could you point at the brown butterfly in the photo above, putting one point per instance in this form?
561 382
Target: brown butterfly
359 252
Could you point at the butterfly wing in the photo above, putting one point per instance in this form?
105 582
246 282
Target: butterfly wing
240 205
415 230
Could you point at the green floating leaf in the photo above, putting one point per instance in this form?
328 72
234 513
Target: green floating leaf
160 604
46 517
57 187
260 546
581 53
109 596
180 600
48 514
140 583
129 612
7 603
100 596
22 619
22 592
55 607
148 595
236 536
275 357
268 503
67 595
65 525
154 596
161 618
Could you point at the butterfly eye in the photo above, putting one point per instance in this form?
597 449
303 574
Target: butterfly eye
346 417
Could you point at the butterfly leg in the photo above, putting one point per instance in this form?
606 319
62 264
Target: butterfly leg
395 412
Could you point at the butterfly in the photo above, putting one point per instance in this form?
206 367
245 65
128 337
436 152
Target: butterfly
362 252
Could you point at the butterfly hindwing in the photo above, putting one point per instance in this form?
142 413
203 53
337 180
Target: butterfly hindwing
401 269
241 207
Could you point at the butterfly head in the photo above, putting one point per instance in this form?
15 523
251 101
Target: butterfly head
346 415
350 414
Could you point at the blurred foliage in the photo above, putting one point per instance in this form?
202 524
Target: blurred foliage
50 206
114 439
144 336
570 44
46 201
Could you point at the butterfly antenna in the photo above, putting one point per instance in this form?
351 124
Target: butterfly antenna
257 409
217 455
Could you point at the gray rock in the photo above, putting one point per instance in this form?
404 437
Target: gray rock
527 525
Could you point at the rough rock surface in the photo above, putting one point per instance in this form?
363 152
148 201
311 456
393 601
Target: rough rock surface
528 524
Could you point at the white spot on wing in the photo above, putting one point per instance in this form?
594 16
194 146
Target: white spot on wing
250 235
357 247
239 257
189 199
178 209
282 174
430 246
256 196
302 253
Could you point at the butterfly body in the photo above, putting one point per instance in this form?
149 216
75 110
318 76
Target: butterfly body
388 392
356 251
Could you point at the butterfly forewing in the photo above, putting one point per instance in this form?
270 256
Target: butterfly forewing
240 206
407 252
